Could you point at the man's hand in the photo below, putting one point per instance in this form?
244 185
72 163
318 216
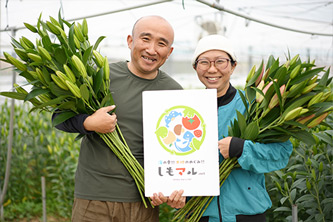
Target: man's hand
224 145
101 121
175 200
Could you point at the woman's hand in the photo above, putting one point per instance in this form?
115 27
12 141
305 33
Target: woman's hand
224 145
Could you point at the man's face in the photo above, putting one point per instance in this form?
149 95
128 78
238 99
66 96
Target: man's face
150 46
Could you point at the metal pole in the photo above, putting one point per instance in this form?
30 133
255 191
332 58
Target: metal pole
10 143
221 8
44 198
100 14
294 213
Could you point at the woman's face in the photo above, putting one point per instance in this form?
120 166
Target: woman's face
213 77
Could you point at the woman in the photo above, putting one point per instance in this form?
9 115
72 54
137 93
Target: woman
243 196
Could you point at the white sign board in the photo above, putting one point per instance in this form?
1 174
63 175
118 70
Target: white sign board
181 142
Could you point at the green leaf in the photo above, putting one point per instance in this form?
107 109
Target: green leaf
301 135
98 41
250 94
241 93
270 61
16 43
326 136
62 117
256 75
280 76
306 75
282 209
35 92
69 105
60 55
293 194
71 39
27 75
57 91
251 131
52 102
241 122
98 80
84 92
324 78
60 20
14 95
87 54
47 43
270 117
305 197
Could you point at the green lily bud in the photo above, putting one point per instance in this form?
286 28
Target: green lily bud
315 99
308 88
18 64
26 43
69 73
53 28
74 89
78 33
293 114
79 66
106 69
77 42
295 71
84 28
293 60
251 73
44 53
59 82
99 58
35 57
30 27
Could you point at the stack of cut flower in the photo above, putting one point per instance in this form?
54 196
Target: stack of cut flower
69 76
282 101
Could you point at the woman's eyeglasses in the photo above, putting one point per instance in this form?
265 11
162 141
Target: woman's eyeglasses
220 63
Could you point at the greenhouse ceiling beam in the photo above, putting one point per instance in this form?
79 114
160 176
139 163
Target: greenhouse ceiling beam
96 15
221 8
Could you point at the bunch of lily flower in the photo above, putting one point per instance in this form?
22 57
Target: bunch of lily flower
69 76
281 101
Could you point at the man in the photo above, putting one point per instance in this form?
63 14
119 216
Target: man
104 190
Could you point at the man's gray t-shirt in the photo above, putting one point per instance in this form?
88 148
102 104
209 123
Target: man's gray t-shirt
100 174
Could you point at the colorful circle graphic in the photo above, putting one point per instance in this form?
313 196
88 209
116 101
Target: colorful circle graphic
180 130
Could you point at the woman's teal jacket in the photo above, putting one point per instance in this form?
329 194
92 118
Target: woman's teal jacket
244 191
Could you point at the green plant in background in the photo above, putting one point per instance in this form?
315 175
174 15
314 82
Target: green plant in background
38 150
307 181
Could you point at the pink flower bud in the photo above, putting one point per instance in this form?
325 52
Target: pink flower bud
260 76
317 120
304 119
